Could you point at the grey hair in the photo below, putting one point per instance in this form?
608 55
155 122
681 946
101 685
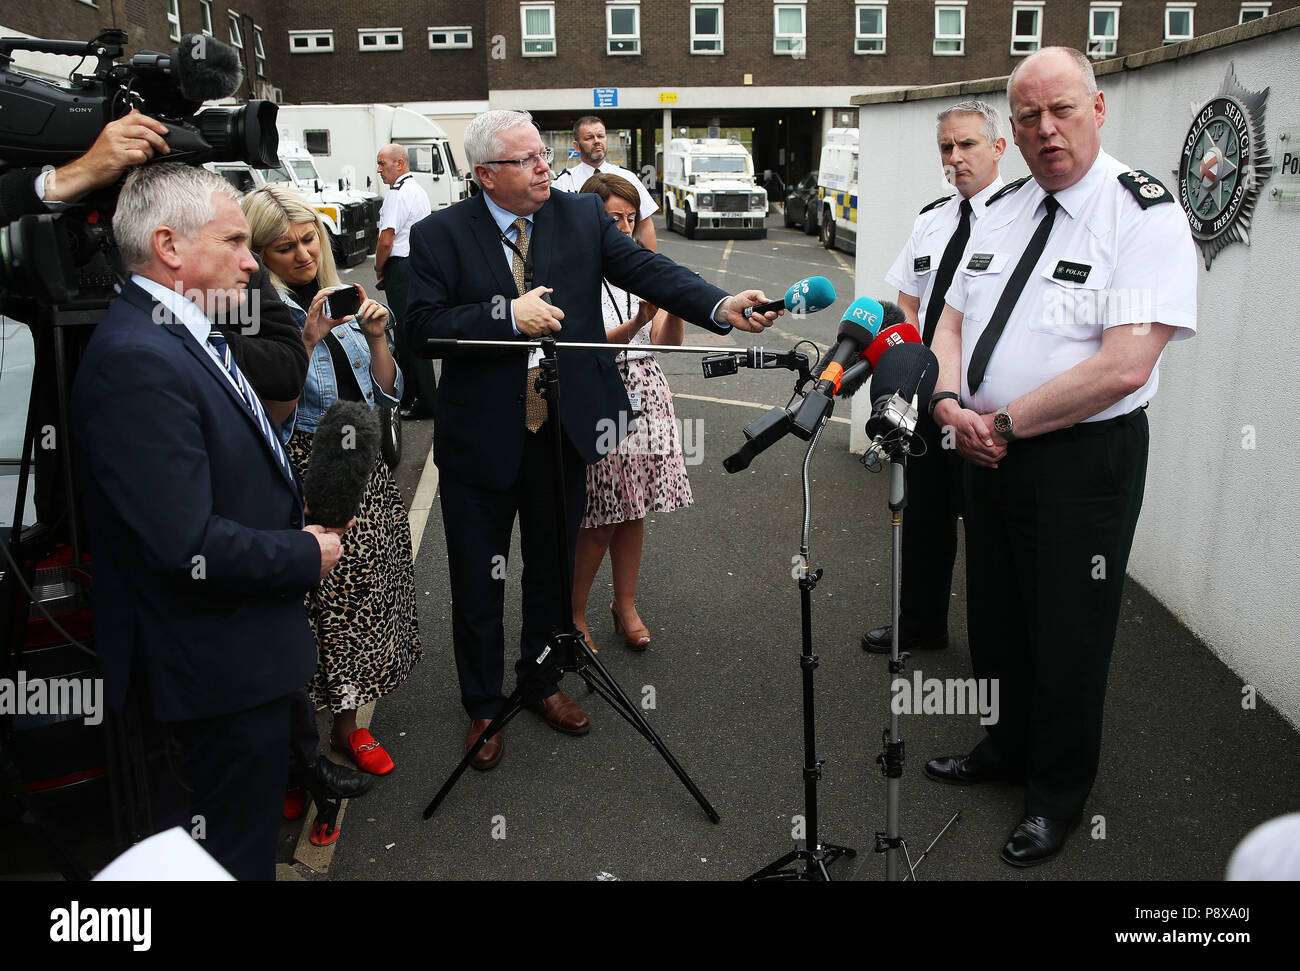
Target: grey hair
170 194
992 128
1081 62
483 134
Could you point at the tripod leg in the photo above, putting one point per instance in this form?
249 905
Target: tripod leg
602 681
509 709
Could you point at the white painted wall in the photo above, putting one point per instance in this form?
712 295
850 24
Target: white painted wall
1218 542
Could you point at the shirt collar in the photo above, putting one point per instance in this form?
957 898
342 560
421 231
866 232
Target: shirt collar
980 199
504 220
397 183
183 310
1073 198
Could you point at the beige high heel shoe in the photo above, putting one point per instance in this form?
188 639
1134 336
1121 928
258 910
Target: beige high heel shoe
636 640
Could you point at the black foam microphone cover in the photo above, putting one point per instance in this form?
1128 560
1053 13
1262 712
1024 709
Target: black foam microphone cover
893 315
343 454
909 370
206 69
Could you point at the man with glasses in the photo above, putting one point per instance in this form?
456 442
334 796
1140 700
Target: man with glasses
519 262
589 140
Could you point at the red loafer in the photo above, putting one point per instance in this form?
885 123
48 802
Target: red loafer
295 803
368 754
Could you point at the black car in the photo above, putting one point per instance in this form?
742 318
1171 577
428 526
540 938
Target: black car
801 205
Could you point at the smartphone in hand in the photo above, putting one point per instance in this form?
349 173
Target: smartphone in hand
342 303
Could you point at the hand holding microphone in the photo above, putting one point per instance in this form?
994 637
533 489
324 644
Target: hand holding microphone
805 297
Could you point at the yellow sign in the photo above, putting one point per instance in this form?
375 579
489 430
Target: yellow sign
668 97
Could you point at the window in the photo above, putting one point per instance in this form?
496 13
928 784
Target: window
538 23
869 35
379 39
950 29
311 41
1026 28
450 38
622 28
316 141
788 35
1103 29
236 35
706 28
1253 11
259 51
425 158
205 7
1178 22
174 19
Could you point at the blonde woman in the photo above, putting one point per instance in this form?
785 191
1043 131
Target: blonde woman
364 613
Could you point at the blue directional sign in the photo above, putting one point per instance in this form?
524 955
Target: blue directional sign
605 97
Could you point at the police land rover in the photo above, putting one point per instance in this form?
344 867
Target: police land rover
709 190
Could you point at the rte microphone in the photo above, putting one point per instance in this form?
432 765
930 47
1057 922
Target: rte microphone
894 329
858 328
343 455
807 296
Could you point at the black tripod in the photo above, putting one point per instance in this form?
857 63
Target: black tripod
578 658
812 853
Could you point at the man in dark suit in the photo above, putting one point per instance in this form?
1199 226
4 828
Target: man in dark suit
195 518
517 261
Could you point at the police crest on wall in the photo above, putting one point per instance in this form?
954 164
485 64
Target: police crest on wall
1224 163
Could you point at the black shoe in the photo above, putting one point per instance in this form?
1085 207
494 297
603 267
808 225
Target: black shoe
961 770
1037 839
338 781
879 640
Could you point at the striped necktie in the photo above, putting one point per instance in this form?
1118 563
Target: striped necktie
218 342
534 403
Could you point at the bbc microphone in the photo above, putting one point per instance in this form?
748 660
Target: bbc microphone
807 296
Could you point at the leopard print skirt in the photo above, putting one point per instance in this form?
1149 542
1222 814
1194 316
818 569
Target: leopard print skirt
364 612
647 473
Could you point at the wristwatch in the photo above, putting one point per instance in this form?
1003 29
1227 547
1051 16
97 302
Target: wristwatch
1002 424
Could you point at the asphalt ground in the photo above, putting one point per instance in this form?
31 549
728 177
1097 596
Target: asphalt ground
1187 767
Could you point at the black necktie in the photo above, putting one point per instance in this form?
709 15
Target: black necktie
947 267
979 361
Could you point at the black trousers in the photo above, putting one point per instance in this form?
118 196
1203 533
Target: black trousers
934 500
235 766
1048 535
478 523
421 380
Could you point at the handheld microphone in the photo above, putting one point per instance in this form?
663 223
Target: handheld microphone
805 297
343 455
858 327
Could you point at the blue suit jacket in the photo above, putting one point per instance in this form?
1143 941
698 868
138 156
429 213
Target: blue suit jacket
460 288
199 561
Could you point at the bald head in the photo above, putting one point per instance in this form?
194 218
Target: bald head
393 162
1057 59
1056 116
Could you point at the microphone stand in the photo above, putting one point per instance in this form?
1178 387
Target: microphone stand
578 658
811 856
896 415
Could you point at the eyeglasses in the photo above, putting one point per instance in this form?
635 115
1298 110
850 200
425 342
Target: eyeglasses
525 163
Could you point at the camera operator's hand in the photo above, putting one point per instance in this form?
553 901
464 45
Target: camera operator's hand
131 140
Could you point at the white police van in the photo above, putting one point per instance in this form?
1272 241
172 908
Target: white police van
837 190
709 190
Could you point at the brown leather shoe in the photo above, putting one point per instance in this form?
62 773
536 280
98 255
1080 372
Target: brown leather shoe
562 714
492 750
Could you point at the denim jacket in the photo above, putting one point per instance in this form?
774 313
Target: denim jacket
321 388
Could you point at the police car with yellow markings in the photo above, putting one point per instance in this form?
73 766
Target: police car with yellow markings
709 190
837 190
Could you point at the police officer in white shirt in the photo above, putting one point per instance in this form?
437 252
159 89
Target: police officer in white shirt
970 147
405 205
1049 348
589 141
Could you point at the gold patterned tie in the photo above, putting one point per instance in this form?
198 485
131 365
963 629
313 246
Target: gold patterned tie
534 403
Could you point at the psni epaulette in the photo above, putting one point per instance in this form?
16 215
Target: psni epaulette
936 204
1146 188
1006 190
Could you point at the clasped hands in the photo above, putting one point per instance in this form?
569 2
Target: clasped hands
975 438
